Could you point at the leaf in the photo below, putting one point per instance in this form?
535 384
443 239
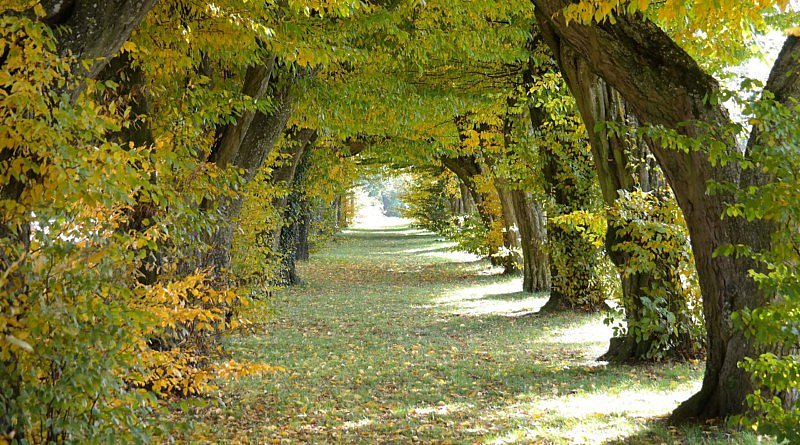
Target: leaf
19 343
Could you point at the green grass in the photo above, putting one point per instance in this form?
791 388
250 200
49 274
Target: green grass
396 339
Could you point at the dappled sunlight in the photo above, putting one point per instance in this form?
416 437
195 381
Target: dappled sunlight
500 298
594 417
452 255
357 424
480 291
630 403
489 306
591 331
430 250
440 409
418 344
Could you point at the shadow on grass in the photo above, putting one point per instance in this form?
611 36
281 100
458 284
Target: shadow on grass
394 342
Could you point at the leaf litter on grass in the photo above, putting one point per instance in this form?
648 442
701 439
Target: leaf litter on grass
394 338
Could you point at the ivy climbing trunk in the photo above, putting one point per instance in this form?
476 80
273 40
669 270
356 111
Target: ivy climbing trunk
599 103
574 260
293 216
666 87
297 143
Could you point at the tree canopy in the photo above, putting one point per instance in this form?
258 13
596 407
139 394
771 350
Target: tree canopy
165 163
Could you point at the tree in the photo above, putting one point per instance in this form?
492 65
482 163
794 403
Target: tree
666 87
622 166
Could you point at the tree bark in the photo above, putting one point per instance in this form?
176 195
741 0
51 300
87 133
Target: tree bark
259 138
512 261
93 30
664 86
466 168
599 103
231 137
532 226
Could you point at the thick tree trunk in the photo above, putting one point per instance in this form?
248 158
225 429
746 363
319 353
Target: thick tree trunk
512 261
92 30
260 136
599 103
664 86
291 232
532 226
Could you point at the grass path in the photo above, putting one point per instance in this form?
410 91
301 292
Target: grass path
396 339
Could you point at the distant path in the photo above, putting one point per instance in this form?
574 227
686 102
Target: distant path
396 339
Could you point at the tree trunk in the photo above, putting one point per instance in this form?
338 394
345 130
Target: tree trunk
290 236
512 261
532 226
573 258
664 86
231 137
259 138
599 103
466 168
93 31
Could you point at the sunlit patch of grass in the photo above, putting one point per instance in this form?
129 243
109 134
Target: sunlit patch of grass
499 297
390 342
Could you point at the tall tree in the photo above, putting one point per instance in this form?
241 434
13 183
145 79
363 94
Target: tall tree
666 87
615 157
